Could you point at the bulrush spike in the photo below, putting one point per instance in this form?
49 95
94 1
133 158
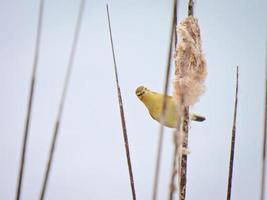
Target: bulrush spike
62 100
172 36
123 123
30 100
188 84
232 151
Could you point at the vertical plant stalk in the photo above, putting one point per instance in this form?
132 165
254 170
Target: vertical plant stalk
183 159
190 8
123 123
189 76
263 164
172 187
164 104
232 152
62 100
185 124
30 101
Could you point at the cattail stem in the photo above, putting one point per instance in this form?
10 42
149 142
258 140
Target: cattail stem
232 152
62 100
164 104
190 8
123 123
183 159
172 187
263 164
182 179
30 101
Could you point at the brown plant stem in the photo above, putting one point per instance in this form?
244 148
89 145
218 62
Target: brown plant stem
232 152
263 164
185 124
62 101
172 187
183 159
190 8
30 101
123 123
164 104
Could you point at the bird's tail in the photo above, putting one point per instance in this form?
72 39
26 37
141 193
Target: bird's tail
197 118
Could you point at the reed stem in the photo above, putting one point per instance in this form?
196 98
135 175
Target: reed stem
30 101
184 129
123 123
172 187
232 152
164 104
62 101
263 164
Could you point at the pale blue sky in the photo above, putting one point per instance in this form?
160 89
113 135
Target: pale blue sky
90 159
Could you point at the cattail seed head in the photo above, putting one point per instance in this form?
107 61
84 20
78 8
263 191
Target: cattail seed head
190 65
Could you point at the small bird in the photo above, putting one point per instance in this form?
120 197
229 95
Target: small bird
153 101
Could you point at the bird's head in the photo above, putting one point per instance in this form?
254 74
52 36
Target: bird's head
141 91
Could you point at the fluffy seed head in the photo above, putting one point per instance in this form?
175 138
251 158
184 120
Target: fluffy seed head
190 65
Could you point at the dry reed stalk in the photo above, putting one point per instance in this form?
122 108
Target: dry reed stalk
190 73
30 101
164 104
62 100
232 152
182 154
123 123
172 187
263 164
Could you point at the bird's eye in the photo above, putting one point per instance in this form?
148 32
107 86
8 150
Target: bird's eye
141 93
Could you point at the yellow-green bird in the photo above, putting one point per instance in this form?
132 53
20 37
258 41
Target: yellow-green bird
153 101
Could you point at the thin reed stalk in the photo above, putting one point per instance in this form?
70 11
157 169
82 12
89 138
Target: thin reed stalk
232 152
263 164
172 187
30 101
62 100
190 8
123 123
164 104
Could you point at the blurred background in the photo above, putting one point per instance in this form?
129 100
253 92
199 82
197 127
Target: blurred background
90 160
